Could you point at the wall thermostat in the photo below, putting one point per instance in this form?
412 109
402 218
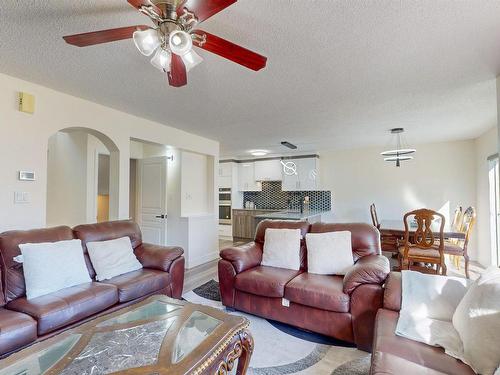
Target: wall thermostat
26 176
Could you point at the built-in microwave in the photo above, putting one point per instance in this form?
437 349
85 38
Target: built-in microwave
225 206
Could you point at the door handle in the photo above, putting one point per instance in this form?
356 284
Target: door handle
161 216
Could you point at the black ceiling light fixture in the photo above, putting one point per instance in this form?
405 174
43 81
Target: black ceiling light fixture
401 152
289 145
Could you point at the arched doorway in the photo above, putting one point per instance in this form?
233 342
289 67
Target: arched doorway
82 177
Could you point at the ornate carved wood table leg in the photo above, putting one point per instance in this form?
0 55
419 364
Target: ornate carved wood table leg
239 353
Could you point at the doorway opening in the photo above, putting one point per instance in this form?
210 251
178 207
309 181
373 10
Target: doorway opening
82 177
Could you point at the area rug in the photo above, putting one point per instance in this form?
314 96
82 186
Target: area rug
283 349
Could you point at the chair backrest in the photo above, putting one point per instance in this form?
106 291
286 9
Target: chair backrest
469 219
424 236
373 213
458 216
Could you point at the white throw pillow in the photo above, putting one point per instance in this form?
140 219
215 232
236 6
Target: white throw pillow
329 253
52 266
477 320
282 248
112 258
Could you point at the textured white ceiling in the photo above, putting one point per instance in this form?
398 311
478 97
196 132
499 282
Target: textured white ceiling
339 75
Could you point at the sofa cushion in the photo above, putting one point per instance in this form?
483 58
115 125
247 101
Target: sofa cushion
109 230
320 291
388 364
14 286
424 355
16 330
260 233
67 306
139 283
265 281
365 238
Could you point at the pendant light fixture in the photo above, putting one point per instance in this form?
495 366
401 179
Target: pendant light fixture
401 152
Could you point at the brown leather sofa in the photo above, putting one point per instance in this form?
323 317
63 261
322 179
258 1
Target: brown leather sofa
340 307
24 321
397 355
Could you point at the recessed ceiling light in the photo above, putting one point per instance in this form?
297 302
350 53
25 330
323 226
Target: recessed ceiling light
259 152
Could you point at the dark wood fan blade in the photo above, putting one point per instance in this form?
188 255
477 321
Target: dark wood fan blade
103 36
137 4
204 9
177 77
231 51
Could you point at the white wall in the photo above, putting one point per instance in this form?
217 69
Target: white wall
486 145
441 176
67 179
25 137
194 184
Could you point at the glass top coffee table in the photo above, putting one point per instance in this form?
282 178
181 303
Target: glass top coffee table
157 336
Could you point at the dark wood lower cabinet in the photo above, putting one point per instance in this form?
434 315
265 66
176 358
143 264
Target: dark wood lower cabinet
244 223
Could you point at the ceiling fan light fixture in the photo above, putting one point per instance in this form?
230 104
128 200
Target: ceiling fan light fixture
161 60
147 41
180 42
191 59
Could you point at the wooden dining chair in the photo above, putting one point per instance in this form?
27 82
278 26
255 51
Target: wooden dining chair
424 247
456 226
388 242
458 248
373 214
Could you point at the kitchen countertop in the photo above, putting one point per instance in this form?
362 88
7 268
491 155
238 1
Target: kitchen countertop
292 215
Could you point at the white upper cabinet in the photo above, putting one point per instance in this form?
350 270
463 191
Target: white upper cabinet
306 178
246 177
268 170
225 169
225 175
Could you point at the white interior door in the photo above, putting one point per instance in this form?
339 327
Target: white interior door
152 199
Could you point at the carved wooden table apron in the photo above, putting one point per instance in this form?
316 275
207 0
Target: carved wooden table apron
159 336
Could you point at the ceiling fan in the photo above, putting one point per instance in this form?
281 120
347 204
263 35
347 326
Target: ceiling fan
173 37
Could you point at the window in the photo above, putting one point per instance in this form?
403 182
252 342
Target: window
494 208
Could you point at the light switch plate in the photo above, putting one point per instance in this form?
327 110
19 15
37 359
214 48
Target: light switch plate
21 197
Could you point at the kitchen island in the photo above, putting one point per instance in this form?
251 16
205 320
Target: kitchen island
245 221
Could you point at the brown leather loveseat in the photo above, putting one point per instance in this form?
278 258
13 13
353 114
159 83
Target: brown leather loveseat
341 307
396 355
24 321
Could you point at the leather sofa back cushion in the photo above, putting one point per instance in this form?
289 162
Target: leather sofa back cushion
13 276
106 231
365 237
2 296
282 224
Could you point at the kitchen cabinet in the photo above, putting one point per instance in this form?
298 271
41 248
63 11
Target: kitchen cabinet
307 176
225 175
244 223
246 177
268 170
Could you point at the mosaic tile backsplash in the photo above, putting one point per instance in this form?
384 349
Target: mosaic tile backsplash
273 198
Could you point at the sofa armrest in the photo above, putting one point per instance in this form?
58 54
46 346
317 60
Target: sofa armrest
392 292
157 257
243 257
370 269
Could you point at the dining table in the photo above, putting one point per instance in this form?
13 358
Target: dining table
396 228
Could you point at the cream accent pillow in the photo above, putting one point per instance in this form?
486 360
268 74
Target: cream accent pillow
52 266
112 258
282 248
477 320
329 253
